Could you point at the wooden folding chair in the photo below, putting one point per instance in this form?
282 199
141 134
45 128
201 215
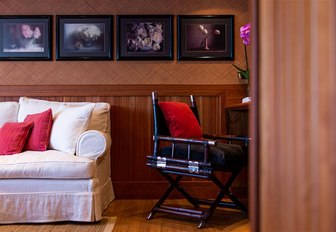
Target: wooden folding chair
195 157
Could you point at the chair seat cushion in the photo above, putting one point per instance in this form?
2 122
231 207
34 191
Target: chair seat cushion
223 156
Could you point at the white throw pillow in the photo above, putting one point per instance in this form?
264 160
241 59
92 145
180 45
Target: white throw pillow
100 118
8 112
69 123
34 106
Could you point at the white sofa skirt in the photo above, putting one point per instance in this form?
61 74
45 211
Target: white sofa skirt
37 200
56 200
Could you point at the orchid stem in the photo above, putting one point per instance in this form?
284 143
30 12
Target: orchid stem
246 60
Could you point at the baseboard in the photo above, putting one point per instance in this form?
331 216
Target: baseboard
154 189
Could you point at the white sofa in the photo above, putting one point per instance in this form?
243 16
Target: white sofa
70 181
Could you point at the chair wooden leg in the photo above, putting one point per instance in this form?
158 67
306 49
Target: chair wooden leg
172 184
224 190
227 192
208 213
237 202
179 188
205 215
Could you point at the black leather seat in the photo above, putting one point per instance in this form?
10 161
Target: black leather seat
221 156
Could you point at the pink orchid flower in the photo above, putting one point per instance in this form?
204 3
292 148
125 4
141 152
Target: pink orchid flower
245 33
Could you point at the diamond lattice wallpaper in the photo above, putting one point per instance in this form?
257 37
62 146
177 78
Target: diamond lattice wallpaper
124 72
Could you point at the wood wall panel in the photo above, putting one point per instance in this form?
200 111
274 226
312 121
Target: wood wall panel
124 72
131 123
297 115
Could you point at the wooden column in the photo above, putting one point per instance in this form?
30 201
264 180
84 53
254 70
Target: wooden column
297 105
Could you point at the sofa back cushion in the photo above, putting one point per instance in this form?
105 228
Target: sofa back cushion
34 106
100 118
70 119
8 112
69 123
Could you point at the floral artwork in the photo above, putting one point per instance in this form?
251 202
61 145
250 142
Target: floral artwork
23 37
87 34
144 37
205 37
83 37
206 34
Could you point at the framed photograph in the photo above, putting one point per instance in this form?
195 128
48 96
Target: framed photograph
145 37
84 37
205 37
25 37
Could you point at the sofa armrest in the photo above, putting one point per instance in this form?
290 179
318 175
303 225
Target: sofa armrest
93 144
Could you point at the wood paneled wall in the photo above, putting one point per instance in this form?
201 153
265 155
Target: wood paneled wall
132 130
297 115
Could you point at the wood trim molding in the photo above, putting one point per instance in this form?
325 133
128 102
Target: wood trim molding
113 90
155 189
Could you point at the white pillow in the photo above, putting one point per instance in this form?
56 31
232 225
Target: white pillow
69 123
8 112
100 118
34 106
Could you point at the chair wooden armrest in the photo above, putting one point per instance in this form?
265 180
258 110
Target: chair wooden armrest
228 138
201 141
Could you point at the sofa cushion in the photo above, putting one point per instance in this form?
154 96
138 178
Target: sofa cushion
70 119
100 118
39 137
69 123
8 112
13 136
34 106
46 164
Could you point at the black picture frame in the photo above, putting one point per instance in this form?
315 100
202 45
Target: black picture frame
145 37
25 37
205 37
84 37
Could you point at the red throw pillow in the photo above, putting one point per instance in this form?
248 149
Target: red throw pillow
39 137
181 120
13 136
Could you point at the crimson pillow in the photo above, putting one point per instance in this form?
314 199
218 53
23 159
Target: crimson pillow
39 137
181 120
13 136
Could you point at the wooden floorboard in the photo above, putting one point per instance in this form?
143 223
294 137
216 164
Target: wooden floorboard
131 216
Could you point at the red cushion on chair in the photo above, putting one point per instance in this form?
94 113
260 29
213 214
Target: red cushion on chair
39 137
13 136
180 120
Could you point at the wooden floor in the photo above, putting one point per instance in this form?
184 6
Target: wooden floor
131 216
